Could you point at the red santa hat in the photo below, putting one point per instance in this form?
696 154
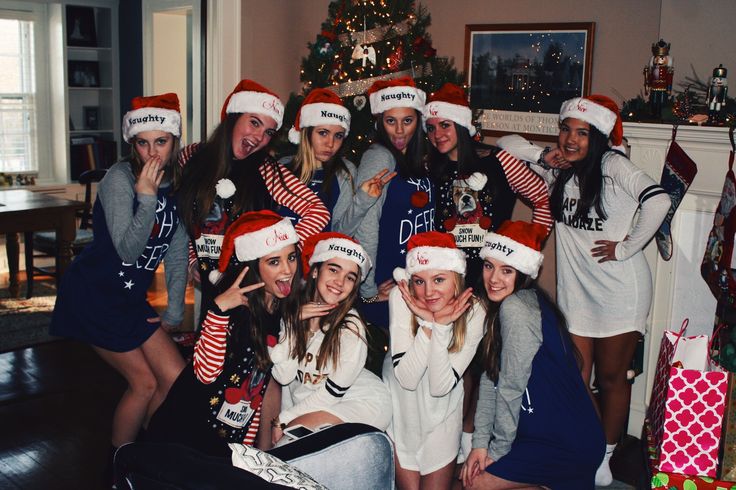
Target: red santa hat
154 113
252 236
431 250
399 92
320 107
249 96
598 111
450 102
329 245
518 244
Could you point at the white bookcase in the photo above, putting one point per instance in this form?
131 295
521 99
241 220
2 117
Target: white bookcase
85 78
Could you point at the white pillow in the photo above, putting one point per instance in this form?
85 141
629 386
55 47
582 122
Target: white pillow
271 469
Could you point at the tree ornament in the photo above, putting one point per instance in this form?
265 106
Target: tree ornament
359 102
364 53
324 49
396 58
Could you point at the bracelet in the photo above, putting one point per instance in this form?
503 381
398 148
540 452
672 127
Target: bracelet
371 299
540 160
276 424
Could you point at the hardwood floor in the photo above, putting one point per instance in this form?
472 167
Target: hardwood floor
56 405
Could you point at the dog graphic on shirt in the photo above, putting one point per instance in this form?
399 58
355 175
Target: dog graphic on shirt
467 204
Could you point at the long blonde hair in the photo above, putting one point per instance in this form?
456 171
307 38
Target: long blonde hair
305 163
460 326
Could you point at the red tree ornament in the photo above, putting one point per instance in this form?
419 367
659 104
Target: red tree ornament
396 58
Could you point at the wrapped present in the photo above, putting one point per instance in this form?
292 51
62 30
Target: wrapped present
728 438
674 481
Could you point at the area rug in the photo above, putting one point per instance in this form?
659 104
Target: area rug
25 322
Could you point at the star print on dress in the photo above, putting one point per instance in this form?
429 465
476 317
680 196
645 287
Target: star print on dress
129 284
121 274
214 401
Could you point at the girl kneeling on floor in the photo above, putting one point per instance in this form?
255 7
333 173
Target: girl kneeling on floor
436 326
321 354
218 397
535 424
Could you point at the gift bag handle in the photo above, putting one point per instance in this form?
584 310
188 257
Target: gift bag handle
681 333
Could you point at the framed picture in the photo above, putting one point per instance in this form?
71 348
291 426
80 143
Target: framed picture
80 26
519 74
84 73
91 117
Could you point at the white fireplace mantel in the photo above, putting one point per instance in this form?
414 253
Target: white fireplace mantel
679 290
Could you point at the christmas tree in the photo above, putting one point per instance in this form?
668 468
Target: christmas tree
363 41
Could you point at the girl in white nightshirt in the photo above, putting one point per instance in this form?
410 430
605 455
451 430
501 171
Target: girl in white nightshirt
436 326
322 349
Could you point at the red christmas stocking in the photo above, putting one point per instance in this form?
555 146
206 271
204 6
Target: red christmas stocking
677 174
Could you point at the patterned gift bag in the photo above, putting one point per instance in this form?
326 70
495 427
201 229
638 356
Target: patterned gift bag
694 410
656 410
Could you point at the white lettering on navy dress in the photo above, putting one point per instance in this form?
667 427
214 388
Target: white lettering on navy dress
165 223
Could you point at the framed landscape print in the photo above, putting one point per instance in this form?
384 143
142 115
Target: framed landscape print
519 74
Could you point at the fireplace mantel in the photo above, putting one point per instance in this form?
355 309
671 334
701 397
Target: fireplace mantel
679 290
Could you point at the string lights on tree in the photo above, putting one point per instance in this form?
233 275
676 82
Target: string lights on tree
362 41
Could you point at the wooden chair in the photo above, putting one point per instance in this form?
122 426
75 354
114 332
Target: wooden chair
45 241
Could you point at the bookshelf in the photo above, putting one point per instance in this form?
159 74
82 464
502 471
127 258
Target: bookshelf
88 77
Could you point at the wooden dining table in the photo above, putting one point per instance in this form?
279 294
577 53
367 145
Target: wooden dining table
23 211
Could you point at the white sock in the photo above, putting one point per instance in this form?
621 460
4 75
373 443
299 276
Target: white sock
466 445
603 476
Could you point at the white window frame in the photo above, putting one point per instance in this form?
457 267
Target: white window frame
38 12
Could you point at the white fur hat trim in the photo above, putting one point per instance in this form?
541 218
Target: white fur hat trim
520 257
397 96
344 249
257 103
320 114
151 119
586 110
444 110
257 244
441 258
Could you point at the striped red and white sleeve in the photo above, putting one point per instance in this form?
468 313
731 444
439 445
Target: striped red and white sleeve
192 254
209 351
250 436
528 185
289 191
187 152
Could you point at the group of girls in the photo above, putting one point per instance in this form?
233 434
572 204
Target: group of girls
420 243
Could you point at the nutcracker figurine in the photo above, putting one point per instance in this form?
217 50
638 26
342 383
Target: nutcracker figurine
658 77
717 95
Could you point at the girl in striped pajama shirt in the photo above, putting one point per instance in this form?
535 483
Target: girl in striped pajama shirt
218 398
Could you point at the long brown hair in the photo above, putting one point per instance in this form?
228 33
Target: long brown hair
257 308
492 344
333 325
460 326
214 161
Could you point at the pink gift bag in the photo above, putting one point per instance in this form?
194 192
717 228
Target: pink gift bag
694 410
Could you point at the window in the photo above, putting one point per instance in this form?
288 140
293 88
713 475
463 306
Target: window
18 130
26 143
